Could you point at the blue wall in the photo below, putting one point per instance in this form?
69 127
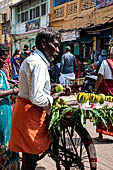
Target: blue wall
59 2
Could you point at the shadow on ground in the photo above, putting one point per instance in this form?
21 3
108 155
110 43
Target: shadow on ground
105 141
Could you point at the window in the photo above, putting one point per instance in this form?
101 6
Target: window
43 9
37 11
18 9
26 16
59 2
19 17
6 28
32 14
22 17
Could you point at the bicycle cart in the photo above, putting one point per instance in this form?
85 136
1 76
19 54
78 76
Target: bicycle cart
72 152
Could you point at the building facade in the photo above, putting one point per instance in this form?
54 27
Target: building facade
85 25
27 17
5 22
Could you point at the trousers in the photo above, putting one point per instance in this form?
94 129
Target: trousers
29 161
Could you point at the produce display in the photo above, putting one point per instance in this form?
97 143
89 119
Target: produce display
93 98
98 107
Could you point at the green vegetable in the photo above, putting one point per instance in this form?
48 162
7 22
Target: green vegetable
78 117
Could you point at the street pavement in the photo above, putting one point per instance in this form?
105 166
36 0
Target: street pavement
104 152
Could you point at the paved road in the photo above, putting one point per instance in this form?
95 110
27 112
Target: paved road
104 152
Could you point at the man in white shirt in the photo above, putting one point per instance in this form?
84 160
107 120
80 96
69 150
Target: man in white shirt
104 84
105 72
29 133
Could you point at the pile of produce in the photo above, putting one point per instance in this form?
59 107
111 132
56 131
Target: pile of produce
79 114
93 98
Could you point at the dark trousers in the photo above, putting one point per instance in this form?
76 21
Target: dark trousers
29 161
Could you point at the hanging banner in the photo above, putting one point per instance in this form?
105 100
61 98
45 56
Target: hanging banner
103 3
32 25
109 2
100 3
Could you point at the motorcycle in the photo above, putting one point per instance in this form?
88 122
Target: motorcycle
90 81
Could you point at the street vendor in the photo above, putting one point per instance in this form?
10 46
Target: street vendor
104 82
29 132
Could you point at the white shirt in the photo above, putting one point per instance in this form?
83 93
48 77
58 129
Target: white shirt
105 70
34 80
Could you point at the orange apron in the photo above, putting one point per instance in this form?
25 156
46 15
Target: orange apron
29 132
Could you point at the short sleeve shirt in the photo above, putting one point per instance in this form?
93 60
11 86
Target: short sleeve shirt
105 70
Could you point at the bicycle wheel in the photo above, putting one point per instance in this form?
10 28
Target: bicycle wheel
77 152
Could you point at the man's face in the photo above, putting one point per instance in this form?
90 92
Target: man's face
52 49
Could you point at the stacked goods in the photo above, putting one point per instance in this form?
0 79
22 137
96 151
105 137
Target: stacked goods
79 114
93 98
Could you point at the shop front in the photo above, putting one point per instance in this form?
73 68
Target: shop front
71 38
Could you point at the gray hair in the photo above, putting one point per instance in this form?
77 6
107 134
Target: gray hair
47 34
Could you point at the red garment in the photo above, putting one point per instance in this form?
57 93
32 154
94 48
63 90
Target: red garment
103 130
110 62
106 86
29 131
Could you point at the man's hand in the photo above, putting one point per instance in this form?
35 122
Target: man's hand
57 95
15 91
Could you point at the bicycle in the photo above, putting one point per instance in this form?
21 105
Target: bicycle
75 152
72 153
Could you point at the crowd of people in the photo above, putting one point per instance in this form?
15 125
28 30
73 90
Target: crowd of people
13 63
27 132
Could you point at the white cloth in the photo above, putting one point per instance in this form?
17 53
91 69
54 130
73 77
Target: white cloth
34 80
64 78
105 70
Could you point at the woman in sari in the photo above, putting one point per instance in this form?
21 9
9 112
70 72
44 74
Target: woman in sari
7 66
15 63
8 160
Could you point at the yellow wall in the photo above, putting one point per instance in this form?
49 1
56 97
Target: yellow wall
72 15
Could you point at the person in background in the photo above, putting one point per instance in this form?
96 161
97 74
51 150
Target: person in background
8 160
25 53
104 84
7 66
102 57
15 63
33 49
78 67
68 67
29 131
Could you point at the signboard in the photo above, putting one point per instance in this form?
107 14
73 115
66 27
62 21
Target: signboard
100 3
70 36
31 25
109 2
103 3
